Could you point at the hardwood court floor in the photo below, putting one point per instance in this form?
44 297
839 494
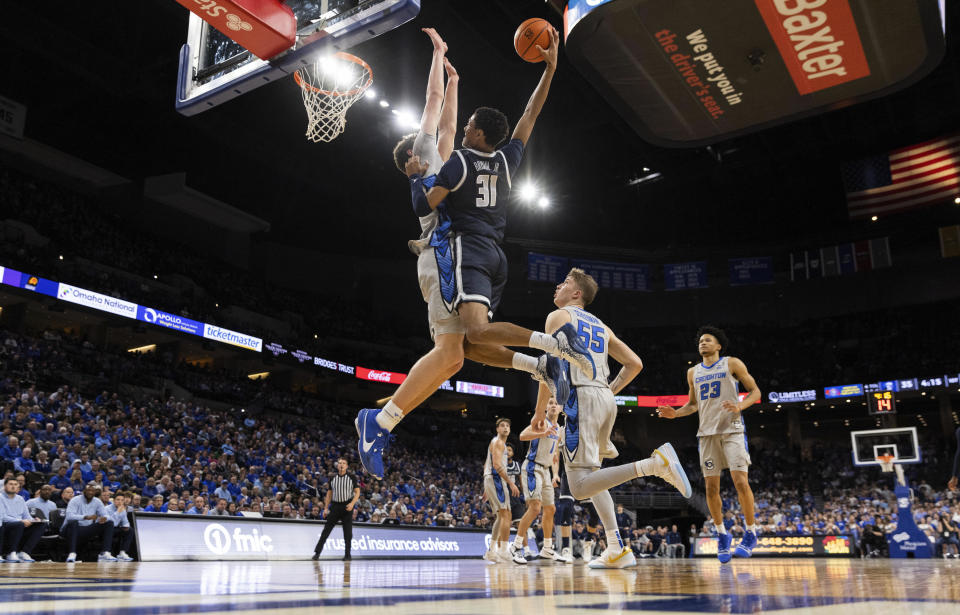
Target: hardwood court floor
850 587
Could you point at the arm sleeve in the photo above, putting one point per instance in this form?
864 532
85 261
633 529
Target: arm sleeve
513 152
418 194
452 173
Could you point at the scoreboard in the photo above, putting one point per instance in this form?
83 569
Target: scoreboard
881 402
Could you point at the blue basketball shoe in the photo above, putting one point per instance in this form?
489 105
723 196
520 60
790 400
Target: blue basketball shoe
745 548
373 441
573 349
723 548
552 372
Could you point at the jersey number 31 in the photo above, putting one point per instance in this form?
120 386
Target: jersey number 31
487 185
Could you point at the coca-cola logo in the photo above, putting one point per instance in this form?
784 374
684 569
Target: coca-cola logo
379 376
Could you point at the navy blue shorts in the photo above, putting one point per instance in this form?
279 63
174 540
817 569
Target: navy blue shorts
481 269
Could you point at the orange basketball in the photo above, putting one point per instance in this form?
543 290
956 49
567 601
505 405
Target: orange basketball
532 32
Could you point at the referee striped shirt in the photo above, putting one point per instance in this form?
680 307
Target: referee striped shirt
342 487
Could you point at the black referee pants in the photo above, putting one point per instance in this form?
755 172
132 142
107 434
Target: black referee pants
338 512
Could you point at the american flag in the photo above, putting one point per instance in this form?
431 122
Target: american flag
905 178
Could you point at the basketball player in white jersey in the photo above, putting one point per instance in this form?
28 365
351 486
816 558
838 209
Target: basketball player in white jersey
591 411
538 484
722 435
496 483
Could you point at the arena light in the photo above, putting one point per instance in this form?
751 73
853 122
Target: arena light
956 200
371 94
873 218
544 202
384 104
143 349
528 192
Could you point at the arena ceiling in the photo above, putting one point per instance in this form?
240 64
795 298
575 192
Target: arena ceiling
100 85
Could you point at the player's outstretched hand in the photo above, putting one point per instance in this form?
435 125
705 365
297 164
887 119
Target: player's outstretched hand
541 429
451 71
730 406
666 412
415 167
438 45
952 485
550 53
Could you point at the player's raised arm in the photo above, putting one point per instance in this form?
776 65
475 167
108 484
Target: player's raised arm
535 104
431 111
669 412
631 363
447 130
739 371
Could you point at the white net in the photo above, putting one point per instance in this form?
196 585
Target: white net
330 86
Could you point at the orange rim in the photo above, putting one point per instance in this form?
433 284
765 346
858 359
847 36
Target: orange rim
343 56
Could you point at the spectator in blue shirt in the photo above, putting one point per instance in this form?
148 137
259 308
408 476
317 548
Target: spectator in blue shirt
223 491
156 505
20 531
86 518
24 463
12 449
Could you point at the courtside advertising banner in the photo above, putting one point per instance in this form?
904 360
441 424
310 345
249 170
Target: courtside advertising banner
165 537
784 546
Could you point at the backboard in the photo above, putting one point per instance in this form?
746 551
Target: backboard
215 69
900 442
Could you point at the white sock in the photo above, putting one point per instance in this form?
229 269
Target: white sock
614 540
389 416
518 541
542 341
720 528
648 466
548 543
524 362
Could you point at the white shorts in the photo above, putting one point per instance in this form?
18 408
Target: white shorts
536 482
497 491
722 451
434 280
591 414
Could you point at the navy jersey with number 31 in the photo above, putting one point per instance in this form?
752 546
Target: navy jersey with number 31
479 185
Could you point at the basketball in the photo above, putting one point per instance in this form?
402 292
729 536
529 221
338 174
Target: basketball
532 32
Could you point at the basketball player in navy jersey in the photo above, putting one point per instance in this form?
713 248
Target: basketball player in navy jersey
722 437
591 411
475 186
433 144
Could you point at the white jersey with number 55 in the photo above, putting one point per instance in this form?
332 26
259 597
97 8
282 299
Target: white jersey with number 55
596 337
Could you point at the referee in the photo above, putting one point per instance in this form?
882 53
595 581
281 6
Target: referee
344 492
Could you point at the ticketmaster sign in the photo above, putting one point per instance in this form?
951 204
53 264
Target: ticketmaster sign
165 537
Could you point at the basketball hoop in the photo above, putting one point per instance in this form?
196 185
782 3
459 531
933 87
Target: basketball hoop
886 462
330 86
